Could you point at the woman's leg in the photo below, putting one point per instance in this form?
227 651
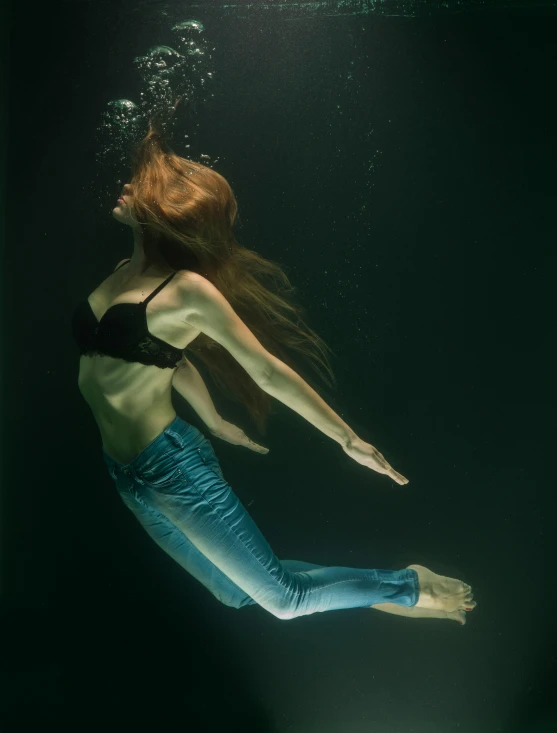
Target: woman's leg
185 553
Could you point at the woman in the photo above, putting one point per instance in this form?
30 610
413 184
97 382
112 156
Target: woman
132 332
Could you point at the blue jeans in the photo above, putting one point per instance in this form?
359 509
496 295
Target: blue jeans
177 492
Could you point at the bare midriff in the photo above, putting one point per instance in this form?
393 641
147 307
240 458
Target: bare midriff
129 418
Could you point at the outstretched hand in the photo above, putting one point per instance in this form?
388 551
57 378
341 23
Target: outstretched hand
360 451
365 454
235 435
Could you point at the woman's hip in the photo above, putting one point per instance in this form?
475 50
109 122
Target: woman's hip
179 456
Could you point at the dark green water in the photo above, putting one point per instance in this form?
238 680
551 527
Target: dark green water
399 161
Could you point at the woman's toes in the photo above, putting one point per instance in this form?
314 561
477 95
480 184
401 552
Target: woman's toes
469 605
459 616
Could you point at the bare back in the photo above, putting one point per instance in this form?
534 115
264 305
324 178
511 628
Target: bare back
131 402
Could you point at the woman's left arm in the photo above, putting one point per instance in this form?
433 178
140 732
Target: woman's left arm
188 382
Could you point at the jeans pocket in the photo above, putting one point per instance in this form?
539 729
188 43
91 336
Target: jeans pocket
209 458
163 473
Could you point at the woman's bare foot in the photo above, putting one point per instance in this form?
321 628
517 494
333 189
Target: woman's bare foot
442 594
414 612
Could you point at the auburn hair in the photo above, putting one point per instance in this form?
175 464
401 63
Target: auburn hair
187 212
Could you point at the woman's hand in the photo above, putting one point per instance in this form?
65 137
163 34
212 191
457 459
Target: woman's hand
369 456
235 435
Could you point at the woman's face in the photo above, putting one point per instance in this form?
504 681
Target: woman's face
122 212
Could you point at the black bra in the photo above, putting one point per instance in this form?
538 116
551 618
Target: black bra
123 334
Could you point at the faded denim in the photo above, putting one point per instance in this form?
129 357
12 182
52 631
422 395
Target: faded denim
177 492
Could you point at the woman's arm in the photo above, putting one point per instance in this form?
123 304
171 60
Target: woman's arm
209 312
188 382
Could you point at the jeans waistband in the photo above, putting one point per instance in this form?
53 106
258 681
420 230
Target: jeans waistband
176 435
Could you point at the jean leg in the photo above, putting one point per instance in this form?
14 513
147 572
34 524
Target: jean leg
176 544
186 554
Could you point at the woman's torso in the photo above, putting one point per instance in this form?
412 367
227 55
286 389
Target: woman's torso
131 402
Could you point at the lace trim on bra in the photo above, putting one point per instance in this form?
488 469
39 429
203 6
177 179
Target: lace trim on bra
150 352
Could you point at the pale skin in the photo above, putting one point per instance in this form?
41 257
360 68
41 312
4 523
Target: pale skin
439 597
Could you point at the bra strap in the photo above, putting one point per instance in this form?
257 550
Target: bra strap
161 286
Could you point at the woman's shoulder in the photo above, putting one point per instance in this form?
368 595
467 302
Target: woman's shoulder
126 259
189 278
